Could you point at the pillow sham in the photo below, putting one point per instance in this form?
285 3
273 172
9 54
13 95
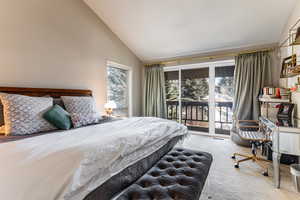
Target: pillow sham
83 110
58 117
23 114
79 120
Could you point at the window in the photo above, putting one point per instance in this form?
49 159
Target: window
118 88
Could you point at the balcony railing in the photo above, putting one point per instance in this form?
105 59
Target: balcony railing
195 115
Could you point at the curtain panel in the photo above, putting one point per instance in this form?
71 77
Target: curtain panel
252 73
154 104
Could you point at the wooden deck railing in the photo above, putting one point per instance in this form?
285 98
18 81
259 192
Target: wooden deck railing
194 111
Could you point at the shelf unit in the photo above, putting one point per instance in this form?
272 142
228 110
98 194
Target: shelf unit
268 101
290 42
273 100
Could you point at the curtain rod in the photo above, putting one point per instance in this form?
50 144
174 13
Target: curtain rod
213 57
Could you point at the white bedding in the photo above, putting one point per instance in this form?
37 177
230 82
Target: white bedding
71 164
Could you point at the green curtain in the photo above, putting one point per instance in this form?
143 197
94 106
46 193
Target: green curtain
154 104
252 73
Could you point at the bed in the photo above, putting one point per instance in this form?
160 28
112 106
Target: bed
92 162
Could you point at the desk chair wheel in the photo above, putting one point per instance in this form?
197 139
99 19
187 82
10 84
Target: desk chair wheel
233 157
266 174
236 165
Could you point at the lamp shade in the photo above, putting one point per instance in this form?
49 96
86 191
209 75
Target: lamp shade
110 105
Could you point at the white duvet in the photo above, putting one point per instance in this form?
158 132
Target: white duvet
70 164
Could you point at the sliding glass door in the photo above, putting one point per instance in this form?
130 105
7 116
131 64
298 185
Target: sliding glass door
194 98
172 86
224 99
200 96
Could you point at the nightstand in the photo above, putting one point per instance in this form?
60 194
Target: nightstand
106 118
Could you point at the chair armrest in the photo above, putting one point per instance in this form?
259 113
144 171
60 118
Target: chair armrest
244 120
248 126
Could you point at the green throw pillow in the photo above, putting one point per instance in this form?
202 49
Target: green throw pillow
58 117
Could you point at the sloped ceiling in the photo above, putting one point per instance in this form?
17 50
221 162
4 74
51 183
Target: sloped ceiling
160 29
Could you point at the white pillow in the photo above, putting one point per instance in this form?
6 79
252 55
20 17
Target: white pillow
23 114
83 110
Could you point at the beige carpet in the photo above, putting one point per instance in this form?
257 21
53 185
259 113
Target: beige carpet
227 183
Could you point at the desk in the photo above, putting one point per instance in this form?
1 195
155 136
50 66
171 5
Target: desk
268 101
285 136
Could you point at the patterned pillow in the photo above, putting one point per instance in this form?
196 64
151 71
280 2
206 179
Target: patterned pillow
79 120
83 110
23 114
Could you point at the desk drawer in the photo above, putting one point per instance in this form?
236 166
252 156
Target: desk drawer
289 143
284 159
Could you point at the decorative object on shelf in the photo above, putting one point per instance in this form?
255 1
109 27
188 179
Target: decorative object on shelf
296 69
109 107
275 93
288 65
297 85
285 110
284 93
297 39
294 88
295 33
297 88
269 92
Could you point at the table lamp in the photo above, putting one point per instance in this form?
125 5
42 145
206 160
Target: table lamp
109 106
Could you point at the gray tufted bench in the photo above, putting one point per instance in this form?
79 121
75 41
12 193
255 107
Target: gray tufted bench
180 175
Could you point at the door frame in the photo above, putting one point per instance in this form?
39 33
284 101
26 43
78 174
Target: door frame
211 99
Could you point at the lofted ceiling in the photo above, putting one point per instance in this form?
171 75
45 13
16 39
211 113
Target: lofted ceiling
160 29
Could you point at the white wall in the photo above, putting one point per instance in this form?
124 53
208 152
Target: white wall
60 44
288 82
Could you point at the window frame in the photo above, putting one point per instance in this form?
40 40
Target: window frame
211 102
129 82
